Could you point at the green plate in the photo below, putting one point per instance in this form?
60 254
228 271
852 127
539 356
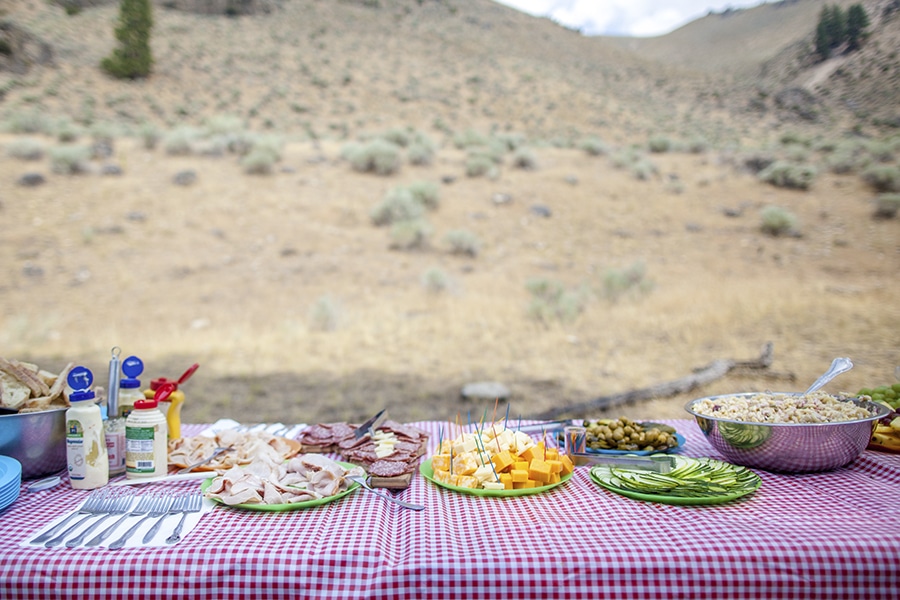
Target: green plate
676 500
283 507
428 473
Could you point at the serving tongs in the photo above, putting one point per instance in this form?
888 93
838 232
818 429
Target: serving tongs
658 463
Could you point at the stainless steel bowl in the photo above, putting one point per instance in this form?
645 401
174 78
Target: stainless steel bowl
788 447
37 440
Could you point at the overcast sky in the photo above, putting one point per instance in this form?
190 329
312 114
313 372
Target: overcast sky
625 17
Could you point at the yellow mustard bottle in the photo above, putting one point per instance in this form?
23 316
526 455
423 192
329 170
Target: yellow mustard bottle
170 407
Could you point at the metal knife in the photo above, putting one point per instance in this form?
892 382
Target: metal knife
371 424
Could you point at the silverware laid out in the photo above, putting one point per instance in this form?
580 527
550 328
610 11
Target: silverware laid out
120 505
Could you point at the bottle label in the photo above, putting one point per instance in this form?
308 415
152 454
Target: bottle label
115 450
75 449
139 456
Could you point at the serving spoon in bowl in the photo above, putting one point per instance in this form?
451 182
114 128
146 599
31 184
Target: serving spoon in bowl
838 366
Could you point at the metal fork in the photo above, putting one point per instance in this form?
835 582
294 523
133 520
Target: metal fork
145 503
174 509
90 507
105 506
190 503
158 508
120 506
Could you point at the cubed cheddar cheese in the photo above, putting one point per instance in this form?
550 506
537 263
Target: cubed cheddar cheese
440 462
519 475
555 466
506 480
502 461
523 485
534 452
464 464
521 465
442 476
539 470
468 481
554 478
551 454
567 465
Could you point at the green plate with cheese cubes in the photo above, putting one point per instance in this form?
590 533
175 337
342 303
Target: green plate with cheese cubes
427 472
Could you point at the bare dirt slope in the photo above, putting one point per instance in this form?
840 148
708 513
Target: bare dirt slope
229 271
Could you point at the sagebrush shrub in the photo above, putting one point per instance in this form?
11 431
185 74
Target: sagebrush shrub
785 174
411 234
223 124
882 178
659 144
435 280
323 315
480 165
426 193
69 160
420 152
630 280
593 146
398 204
260 161
469 138
30 122
150 135
551 301
378 156
179 142
26 149
524 158
887 206
462 241
777 221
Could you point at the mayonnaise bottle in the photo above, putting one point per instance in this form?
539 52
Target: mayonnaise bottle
146 441
86 456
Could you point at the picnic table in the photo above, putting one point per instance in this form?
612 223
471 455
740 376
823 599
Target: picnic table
823 535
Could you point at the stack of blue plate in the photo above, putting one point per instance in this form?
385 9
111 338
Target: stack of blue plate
10 480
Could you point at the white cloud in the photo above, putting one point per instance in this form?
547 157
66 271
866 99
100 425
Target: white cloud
625 17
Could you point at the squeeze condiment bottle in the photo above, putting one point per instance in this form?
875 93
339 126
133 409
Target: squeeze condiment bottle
130 386
114 425
170 407
86 457
146 441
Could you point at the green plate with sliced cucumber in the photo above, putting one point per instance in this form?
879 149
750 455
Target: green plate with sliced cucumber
692 481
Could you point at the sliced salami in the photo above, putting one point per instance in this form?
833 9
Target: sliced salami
388 468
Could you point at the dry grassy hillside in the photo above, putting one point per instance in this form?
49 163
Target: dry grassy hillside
608 186
751 55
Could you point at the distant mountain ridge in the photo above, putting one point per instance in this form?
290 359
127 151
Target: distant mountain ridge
338 68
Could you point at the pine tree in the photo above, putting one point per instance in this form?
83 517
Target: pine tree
132 59
830 31
857 21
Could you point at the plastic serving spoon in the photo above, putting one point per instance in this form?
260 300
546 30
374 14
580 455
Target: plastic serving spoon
838 366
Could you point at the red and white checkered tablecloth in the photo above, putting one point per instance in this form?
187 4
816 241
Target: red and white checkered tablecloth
827 535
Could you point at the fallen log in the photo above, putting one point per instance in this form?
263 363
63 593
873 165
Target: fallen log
701 376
